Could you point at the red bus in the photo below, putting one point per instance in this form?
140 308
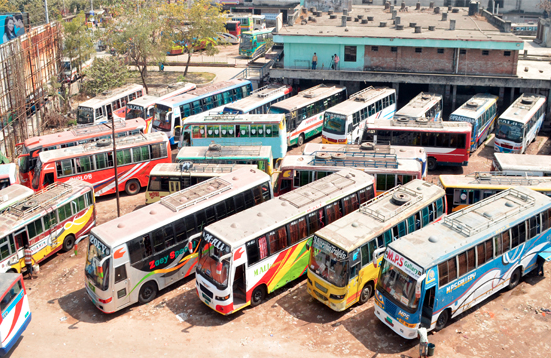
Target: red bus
31 147
234 28
94 163
446 143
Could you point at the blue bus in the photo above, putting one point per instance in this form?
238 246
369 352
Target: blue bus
171 113
437 273
260 100
238 130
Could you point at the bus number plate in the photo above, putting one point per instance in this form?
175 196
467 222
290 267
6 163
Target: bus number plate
92 287
207 299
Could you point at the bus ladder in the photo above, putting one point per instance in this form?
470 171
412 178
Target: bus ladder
415 198
40 199
367 94
504 179
353 163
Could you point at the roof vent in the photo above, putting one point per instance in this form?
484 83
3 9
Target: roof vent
431 28
417 29
527 101
332 16
259 214
487 215
152 212
400 198
509 204
399 27
364 21
421 120
215 147
355 224
121 226
382 24
401 119
233 226
471 104
338 156
433 239
370 18
412 24
367 146
323 156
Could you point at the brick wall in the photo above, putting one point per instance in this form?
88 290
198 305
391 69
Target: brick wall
409 59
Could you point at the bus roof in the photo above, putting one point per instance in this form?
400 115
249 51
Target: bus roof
380 214
6 280
226 151
475 106
426 126
419 105
466 227
84 131
308 96
8 171
196 197
99 100
360 100
259 96
196 168
367 164
495 180
378 149
241 227
14 191
39 203
198 92
522 109
160 93
90 148
524 162
235 118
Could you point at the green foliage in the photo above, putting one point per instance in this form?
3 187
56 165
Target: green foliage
77 41
106 73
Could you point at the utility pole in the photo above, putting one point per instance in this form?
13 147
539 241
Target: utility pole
115 162
46 10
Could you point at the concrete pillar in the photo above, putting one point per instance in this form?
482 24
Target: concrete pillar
501 94
512 99
453 97
548 106
396 87
351 87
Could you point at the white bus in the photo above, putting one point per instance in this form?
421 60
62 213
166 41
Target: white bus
69 67
424 105
102 108
345 122
253 253
13 194
519 125
132 257
525 165
304 112
260 100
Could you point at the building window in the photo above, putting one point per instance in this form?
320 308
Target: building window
394 49
374 48
350 53
440 50
418 50
485 52
506 53
462 52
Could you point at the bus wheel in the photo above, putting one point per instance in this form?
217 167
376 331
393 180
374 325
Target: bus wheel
258 296
367 291
68 243
515 279
442 320
132 187
300 140
431 164
148 292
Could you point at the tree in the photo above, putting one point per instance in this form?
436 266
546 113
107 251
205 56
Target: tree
545 5
106 73
195 25
78 44
6 6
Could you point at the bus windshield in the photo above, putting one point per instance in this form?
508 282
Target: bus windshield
334 123
399 285
97 263
275 110
25 162
247 41
37 170
329 262
85 115
134 111
510 130
209 263
162 118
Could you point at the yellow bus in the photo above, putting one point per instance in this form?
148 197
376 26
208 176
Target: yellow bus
341 268
464 190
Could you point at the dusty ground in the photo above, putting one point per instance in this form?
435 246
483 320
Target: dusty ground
288 324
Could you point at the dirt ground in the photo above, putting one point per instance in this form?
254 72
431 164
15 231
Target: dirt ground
288 324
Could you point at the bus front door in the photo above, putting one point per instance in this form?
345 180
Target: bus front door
239 287
109 110
428 307
122 285
174 185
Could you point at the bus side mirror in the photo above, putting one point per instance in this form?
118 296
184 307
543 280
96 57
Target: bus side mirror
418 285
307 246
377 255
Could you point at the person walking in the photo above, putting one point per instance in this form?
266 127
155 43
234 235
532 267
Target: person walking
314 61
332 64
337 59
29 261
540 261
424 342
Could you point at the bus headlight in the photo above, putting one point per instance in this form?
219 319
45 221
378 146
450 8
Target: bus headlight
218 298
336 297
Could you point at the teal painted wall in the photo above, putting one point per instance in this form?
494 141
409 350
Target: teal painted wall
297 54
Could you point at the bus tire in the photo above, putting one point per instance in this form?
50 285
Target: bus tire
300 140
515 278
431 164
366 293
148 292
69 243
258 296
442 320
132 187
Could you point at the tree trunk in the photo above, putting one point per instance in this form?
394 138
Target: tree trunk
188 61
143 75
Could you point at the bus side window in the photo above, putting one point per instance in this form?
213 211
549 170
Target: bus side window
239 202
35 228
333 213
411 224
402 229
220 210
180 230
201 220
249 198
447 272
5 247
425 216
139 249
387 237
505 241
544 221
277 240
439 208
211 215
252 252
120 273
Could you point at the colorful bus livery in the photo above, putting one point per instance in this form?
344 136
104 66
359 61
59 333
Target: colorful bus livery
443 270
16 312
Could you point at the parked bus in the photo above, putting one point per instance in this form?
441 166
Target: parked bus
341 270
260 100
50 220
144 107
249 22
233 28
481 112
519 125
522 164
251 254
464 190
299 170
424 106
261 156
253 43
13 194
304 112
345 122
446 143
31 147
401 152
94 163
8 175
168 178
16 312
101 108
238 129
70 70
171 113
133 257
443 270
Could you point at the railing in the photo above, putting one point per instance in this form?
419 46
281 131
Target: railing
255 72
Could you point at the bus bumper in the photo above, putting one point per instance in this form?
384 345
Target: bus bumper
15 338
94 299
339 306
395 325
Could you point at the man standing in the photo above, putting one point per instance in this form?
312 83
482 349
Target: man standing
337 59
424 341
314 61
29 260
